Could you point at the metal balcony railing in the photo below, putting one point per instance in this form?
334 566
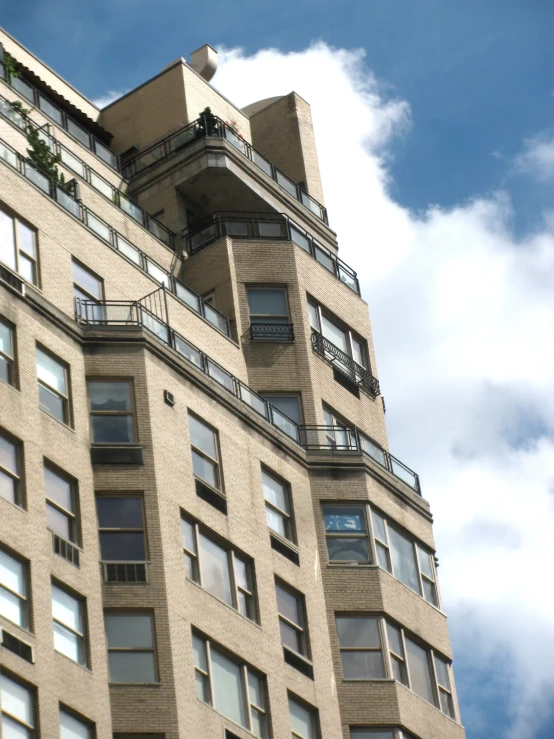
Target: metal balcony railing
266 226
276 332
344 364
124 572
210 126
149 313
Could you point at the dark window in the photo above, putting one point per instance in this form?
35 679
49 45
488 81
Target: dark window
205 452
7 353
131 653
111 411
60 504
121 528
292 618
277 505
346 532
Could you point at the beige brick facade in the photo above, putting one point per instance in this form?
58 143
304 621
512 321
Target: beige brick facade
216 378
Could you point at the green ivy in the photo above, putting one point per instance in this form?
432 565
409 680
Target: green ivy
9 63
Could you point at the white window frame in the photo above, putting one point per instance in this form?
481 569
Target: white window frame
17 250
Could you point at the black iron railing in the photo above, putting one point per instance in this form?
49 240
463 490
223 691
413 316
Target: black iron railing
60 117
344 364
262 226
124 572
213 127
82 170
276 332
312 438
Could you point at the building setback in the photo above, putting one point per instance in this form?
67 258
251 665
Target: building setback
203 534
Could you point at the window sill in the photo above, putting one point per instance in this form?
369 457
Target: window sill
14 505
230 608
233 725
299 662
431 705
57 420
86 668
135 685
25 633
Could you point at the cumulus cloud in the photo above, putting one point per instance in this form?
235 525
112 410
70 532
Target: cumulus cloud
109 97
463 320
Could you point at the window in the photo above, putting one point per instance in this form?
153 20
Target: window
233 688
269 314
339 434
290 405
17 705
405 559
356 733
18 249
111 411
88 287
292 618
205 452
73 728
69 625
60 504
346 532
53 385
364 656
277 505
360 648
220 570
7 353
121 528
131 654
332 329
13 590
303 720
10 470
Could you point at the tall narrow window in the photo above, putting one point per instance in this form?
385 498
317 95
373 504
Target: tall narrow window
13 589
303 720
229 685
131 654
18 249
339 434
10 470
89 288
53 385
284 409
219 569
292 619
397 651
60 504
269 314
73 728
332 329
111 411
360 647
420 670
69 625
444 687
122 537
7 353
277 505
17 707
346 533
205 453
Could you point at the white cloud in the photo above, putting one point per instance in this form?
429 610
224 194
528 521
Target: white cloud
463 320
537 158
109 97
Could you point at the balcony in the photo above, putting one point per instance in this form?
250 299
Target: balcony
150 315
213 127
345 365
273 332
266 226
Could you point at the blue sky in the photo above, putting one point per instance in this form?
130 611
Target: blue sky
478 79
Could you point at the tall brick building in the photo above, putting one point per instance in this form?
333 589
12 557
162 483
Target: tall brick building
203 534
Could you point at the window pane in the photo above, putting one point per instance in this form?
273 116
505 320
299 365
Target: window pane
255 690
8 455
67 642
26 240
347 549
79 133
301 720
187 530
399 670
267 301
52 403
358 352
58 489
349 519
241 573
383 556
131 667
379 526
358 632
372 733
226 677
425 562
429 592
314 317
258 723
202 437
110 396
419 671
287 404
395 643
123 512
275 492
70 728
5 340
5 370
290 637
7 488
287 605
66 609
199 650
204 469
202 687
11 607
58 522
124 546
276 521
51 372
129 630
87 281
16 700
12 730
7 241
214 567
447 705
300 239
335 334
441 668
403 559
27 269
362 665
112 429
